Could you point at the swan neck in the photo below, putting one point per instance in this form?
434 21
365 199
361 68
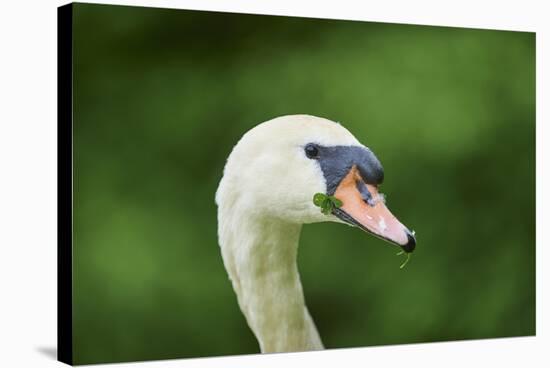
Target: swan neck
260 256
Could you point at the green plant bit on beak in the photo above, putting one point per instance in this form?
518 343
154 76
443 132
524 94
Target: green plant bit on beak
326 202
406 260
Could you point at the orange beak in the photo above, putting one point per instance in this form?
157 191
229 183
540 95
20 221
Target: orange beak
364 207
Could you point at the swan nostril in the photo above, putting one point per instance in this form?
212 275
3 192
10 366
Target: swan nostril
411 244
365 194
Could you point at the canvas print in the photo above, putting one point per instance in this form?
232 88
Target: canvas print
243 184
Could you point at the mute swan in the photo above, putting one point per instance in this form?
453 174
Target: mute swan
263 199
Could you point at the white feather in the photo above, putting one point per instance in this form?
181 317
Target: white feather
263 199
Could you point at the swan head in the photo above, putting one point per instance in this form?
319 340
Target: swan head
278 166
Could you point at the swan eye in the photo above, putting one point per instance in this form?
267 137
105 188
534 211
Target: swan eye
311 151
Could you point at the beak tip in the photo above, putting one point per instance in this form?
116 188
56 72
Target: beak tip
411 244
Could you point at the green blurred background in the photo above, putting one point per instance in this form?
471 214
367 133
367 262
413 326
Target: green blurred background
160 98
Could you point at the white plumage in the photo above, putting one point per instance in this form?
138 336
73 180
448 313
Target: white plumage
264 198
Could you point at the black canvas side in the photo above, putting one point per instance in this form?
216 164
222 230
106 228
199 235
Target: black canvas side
64 183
